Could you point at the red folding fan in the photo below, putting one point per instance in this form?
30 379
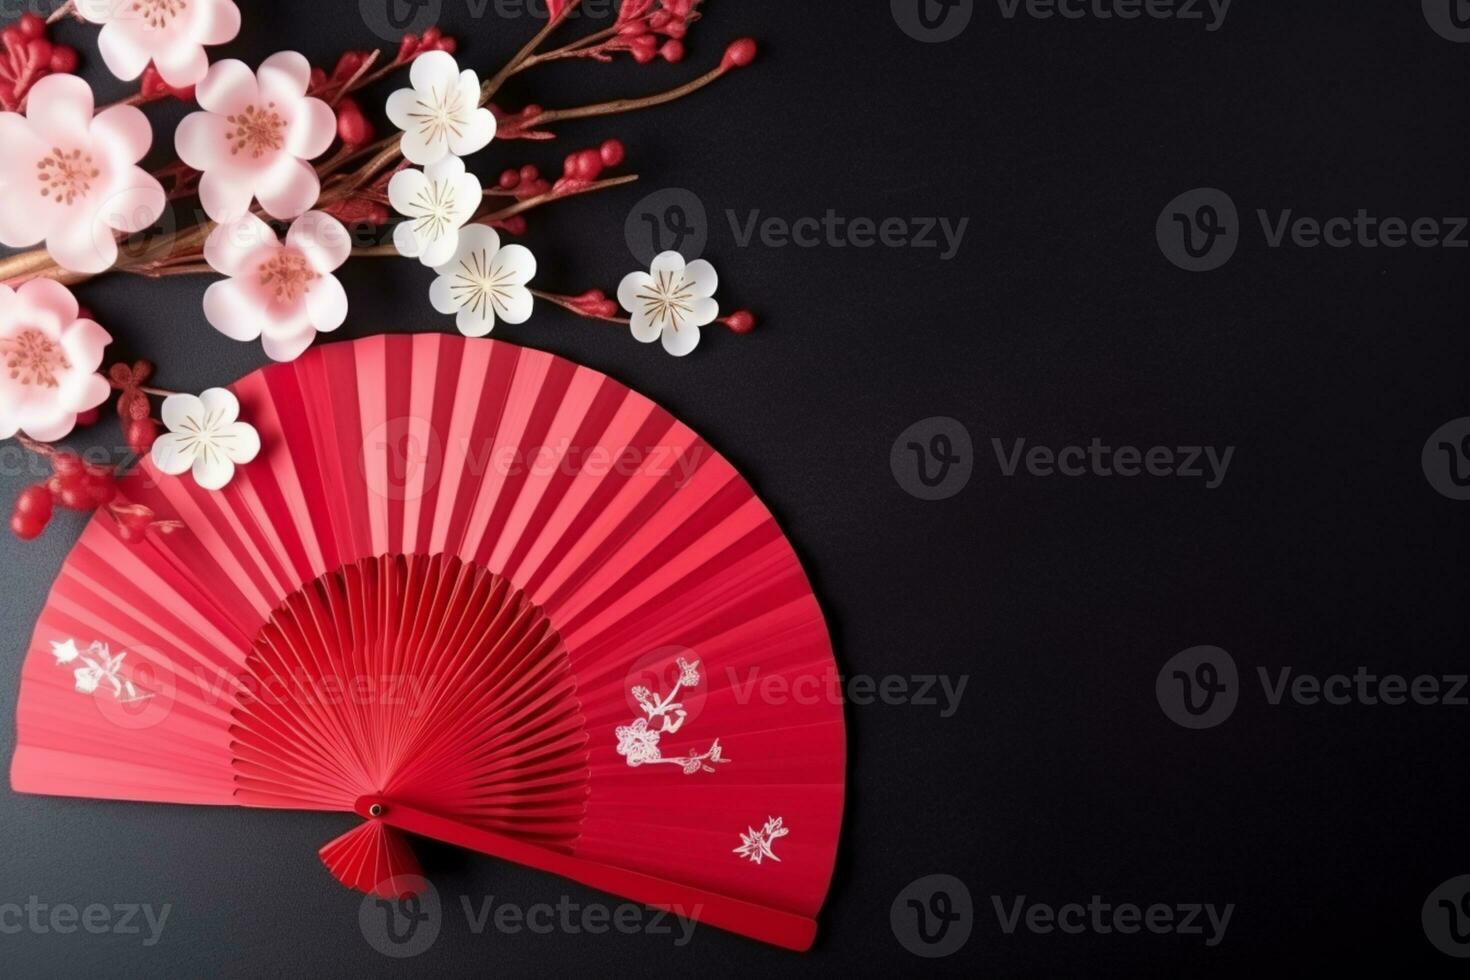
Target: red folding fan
472 592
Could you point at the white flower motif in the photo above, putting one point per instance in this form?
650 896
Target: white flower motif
280 293
437 200
688 672
170 33
756 845
205 436
638 743
66 652
672 301
441 114
484 281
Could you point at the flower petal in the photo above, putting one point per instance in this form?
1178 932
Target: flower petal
326 303
60 108
240 441
225 197
229 87
322 239
645 329
667 264
312 130
703 311
218 23
289 346
182 65
479 129
284 76
231 247
53 297
200 140
406 241
434 70
289 189
84 246
514 264
682 340
212 471
178 409
404 191
231 310
172 453
135 203
221 407
123 56
701 277
124 131
514 305
440 250
476 321
633 284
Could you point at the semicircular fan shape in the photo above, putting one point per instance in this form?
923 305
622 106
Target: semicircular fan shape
471 591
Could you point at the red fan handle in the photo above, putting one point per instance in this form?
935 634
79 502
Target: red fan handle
778 928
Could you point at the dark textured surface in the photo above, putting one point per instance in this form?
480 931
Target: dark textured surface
1059 777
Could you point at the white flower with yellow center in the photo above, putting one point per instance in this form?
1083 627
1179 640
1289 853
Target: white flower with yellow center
437 201
205 436
484 282
671 301
441 115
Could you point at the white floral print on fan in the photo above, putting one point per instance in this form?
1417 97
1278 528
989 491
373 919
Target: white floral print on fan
756 844
100 666
638 741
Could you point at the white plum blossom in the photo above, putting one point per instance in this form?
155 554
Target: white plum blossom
671 301
71 179
437 201
280 293
255 136
206 437
484 282
440 115
170 33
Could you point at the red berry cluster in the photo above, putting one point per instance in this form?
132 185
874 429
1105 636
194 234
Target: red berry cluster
29 56
74 484
594 302
649 29
432 39
352 125
579 168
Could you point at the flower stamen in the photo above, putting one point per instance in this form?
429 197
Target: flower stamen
34 359
68 176
257 130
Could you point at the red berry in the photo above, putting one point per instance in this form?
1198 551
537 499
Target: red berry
741 321
64 59
510 180
672 51
514 225
74 496
25 527
141 434
35 502
89 417
40 51
65 464
530 174
100 485
448 45
613 153
12 37
352 125
739 54
31 25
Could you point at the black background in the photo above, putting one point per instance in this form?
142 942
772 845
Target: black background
1059 778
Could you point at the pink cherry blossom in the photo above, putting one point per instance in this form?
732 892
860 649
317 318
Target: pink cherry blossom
281 293
255 136
48 361
71 179
170 33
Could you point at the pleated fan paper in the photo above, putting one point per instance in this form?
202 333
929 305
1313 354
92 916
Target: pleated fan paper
474 592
